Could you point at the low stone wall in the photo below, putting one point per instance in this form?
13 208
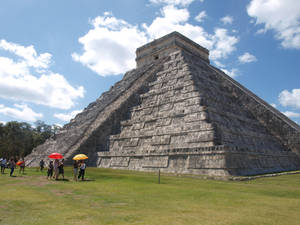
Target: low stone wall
213 161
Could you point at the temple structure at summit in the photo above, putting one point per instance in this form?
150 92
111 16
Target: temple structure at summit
177 113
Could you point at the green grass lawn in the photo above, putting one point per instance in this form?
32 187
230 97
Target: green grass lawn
126 197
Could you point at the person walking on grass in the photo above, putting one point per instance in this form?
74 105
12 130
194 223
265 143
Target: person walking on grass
42 164
75 170
3 165
50 170
55 167
82 170
22 167
12 166
61 169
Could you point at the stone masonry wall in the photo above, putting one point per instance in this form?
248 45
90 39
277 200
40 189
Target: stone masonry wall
236 124
213 161
169 116
285 130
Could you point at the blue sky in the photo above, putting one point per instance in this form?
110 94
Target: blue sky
58 56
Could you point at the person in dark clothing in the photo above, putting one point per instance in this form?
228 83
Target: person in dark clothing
42 164
50 170
75 169
22 166
12 166
82 170
61 169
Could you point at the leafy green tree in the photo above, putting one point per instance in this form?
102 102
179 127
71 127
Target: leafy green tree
17 139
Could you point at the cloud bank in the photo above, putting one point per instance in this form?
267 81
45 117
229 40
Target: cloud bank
227 20
292 114
26 77
291 99
281 16
109 47
200 17
173 2
247 58
21 111
67 116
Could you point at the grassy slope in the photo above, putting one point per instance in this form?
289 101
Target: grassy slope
124 197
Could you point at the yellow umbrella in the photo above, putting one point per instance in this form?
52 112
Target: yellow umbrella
80 157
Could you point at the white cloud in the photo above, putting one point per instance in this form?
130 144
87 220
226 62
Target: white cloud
172 19
232 73
174 2
67 116
31 58
224 44
261 31
201 16
219 64
220 43
58 124
274 105
292 98
291 114
29 79
109 47
282 16
2 122
227 19
22 112
247 58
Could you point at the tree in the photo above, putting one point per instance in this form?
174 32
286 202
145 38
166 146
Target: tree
18 139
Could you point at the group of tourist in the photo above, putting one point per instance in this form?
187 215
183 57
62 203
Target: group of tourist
11 164
55 169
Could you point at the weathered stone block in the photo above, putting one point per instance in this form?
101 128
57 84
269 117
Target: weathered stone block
155 162
119 161
132 142
161 140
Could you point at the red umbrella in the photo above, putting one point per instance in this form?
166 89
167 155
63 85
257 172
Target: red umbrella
19 163
55 155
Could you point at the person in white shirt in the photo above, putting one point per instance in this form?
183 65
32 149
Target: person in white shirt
3 165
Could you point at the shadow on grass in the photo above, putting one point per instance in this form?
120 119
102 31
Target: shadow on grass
86 180
67 180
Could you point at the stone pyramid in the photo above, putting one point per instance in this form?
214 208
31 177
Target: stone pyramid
177 113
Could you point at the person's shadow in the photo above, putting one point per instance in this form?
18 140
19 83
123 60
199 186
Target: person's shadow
64 179
86 180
